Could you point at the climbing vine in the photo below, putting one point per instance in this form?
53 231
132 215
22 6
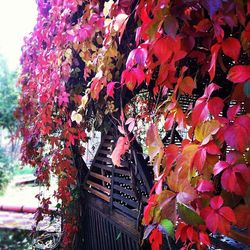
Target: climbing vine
86 60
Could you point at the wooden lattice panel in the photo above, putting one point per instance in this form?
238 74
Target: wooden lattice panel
115 185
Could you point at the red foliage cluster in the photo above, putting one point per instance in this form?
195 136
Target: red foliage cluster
196 49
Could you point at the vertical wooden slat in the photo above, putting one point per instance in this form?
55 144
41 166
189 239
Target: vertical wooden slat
96 235
105 234
110 238
112 187
92 229
114 237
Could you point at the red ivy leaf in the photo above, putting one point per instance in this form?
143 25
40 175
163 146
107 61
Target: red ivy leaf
187 85
214 51
199 159
216 202
231 47
228 214
204 25
237 137
155 239
215 217
200 113
215 106
171 26
239 73
212 148
220 166
170 152
232 111
204 238
133 77
205 186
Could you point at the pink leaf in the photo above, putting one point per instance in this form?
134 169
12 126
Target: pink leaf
214 51
121 147
210 89
212 221
200 113
131 124
121 130
137 56
110 89
237 136
232 111
205 186
232 157
216 202
239 73
229 180
219 167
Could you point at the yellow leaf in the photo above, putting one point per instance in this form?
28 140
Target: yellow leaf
107 7
155 148
205 130
186 159
84 101
76 117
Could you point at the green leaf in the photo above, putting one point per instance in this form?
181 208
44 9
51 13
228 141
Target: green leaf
168 227
247 88
188 215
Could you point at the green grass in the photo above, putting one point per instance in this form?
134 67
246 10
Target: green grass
20 170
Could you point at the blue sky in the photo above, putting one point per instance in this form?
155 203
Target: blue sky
17 19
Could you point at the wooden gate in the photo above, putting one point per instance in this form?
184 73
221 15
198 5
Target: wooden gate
116 197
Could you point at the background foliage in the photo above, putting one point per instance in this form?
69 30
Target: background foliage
8 104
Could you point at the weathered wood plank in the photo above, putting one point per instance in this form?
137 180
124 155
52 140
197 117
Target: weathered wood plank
99 187
99 194
126 200
123 181
121 171
100 177
103 159
105 152
124 190
102 166
133 213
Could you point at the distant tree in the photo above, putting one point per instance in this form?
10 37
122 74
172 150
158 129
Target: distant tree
8 96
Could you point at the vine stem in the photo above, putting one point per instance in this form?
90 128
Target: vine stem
169 245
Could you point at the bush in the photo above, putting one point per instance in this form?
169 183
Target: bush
6 169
